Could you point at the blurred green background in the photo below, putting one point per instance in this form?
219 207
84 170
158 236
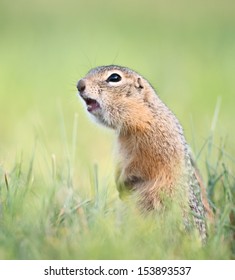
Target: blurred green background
186 49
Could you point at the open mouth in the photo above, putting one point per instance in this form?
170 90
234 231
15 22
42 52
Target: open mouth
92 104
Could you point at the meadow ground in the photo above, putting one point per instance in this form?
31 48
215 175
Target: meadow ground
57 194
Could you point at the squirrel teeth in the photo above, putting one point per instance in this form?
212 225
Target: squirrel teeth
91 104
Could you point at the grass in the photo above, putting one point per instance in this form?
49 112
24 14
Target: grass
57 195
52 218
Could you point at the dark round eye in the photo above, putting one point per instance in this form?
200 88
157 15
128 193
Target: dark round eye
114 78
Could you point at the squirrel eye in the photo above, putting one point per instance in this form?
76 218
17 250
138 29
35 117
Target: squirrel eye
114 78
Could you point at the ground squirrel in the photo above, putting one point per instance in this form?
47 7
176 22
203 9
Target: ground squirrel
154 158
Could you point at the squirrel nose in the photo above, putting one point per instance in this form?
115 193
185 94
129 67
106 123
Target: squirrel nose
81 85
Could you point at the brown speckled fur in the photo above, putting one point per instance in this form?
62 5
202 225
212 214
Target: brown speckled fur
153 156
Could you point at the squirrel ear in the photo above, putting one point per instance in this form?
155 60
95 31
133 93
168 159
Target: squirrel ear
139 83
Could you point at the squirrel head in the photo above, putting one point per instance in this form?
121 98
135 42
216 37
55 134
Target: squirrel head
116 96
